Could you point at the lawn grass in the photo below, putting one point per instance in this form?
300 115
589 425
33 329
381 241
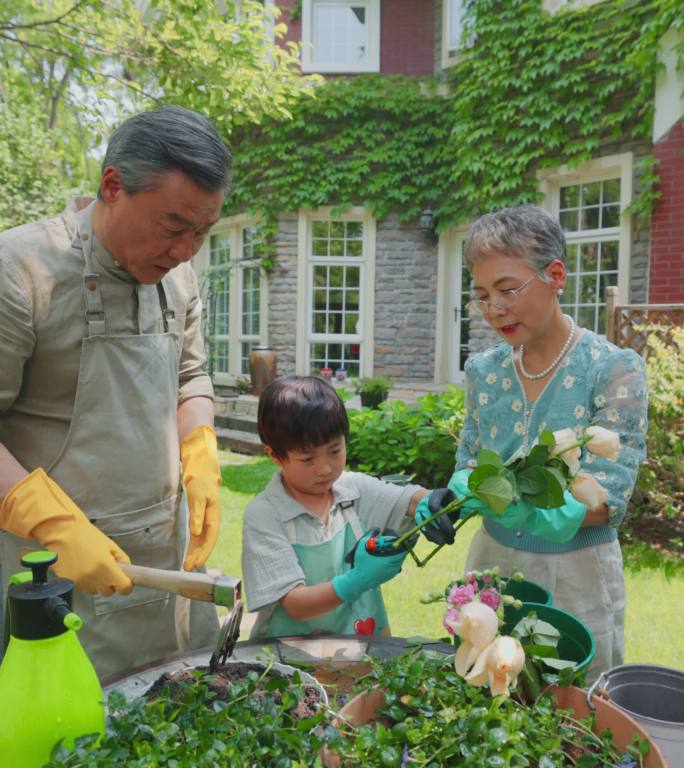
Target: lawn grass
655 586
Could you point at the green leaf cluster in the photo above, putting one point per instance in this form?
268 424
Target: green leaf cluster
257 725
531 90
539 477
438 719
417 440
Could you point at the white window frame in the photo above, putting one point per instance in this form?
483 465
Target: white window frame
305 289
309 63
553 6
450 53
234 227
602 169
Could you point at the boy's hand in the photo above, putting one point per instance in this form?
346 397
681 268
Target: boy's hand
368 572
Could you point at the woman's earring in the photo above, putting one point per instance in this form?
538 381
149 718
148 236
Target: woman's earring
560 292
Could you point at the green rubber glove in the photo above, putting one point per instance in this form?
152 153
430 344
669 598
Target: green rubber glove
557 525
458 485
368 572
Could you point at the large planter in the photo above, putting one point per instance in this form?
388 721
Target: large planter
372 399
364 707
263 367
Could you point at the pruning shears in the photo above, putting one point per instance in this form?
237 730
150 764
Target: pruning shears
377 544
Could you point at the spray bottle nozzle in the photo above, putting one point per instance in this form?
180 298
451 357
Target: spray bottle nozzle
39 562
58 610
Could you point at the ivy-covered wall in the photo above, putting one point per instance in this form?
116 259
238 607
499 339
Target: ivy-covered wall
532 90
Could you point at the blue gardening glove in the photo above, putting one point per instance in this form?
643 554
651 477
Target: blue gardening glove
368 572
557 525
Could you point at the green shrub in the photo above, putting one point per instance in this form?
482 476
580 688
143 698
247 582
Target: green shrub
418 440
662 476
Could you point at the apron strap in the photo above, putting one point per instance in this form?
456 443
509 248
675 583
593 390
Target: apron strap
348 513
94 309
350 516
168 315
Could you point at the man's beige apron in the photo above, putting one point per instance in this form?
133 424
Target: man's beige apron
120 464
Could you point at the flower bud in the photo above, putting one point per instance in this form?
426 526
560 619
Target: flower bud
517 604
587 490
517 576
603 442
507 599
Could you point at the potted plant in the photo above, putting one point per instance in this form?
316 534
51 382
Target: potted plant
373 390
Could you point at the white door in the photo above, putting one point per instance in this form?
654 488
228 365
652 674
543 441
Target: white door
458 320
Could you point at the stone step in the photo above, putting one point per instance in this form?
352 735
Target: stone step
239 441
246 423
243 405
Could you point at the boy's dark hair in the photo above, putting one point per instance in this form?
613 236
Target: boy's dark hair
300 412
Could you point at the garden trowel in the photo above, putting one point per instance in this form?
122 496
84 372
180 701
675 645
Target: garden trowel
210 588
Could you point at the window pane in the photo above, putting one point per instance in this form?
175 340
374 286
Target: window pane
336 277
250 301
320 300
569 220
340 34
337 247
354 230
610 216
335 356
354 248
221 356
320 229
592 261
244 362
455 22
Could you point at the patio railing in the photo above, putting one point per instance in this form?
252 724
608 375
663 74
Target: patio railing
622 320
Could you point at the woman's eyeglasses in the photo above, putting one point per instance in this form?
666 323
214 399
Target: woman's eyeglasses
506 300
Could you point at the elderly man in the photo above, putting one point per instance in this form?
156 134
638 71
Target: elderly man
103 394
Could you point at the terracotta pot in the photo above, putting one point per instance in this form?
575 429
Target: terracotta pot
364 707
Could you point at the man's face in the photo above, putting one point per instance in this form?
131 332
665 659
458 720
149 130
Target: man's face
151 232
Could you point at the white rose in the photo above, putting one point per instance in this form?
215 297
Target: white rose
564 439
499 665
477 627
587 490
603 442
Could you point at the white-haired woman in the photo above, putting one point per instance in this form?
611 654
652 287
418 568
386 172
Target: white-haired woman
548 373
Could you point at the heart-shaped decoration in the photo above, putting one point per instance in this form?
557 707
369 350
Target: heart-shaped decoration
364 626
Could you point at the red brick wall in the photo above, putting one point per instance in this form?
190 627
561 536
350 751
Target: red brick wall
666 264
294 28
407 35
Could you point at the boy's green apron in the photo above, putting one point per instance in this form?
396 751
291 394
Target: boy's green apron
320 562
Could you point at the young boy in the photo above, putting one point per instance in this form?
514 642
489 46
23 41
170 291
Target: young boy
297 532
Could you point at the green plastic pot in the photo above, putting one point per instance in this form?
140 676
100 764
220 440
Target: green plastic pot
528 592
576 639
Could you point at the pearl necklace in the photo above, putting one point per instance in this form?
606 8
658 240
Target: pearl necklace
554 362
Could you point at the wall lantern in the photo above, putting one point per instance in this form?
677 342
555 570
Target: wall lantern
426 224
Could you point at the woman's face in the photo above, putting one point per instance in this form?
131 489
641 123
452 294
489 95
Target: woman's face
521 305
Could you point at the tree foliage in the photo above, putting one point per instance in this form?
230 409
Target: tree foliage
81 64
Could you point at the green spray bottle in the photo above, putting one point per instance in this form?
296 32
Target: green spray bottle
49 690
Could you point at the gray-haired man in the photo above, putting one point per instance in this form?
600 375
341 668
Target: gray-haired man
103 392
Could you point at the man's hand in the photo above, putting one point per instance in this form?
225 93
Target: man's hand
38 508
201 477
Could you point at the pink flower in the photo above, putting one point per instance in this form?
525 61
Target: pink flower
491 598
461 595
450 615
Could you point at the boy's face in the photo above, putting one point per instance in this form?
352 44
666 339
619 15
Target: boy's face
312 471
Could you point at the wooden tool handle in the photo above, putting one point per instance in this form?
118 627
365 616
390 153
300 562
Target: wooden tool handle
196 586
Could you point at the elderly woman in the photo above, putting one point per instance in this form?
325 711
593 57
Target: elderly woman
548 373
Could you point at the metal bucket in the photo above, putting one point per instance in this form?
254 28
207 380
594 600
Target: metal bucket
654 697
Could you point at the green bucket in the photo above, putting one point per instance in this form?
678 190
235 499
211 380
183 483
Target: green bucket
576 639
528 592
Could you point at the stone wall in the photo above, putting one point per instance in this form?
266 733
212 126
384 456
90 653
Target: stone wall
282 296
405 301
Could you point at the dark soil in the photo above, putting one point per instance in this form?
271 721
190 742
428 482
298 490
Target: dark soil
648 522
221 682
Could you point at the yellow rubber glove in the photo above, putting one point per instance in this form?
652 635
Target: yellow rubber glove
201 478
37 508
